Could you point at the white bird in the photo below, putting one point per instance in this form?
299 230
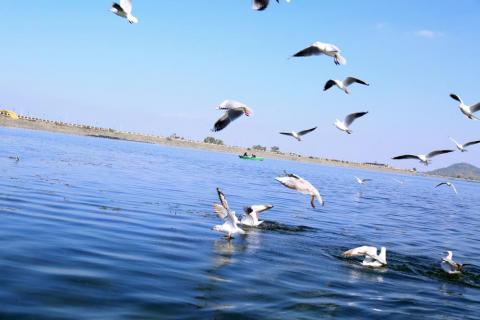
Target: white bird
343 85
297 135
251 214
466 110
362 181
399 181
319 48
424 158
344 125
124 10
234 110
230 226
372 259
449 184
301 185
450 266
462 147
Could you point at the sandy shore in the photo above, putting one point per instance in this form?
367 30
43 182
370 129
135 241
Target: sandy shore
85 130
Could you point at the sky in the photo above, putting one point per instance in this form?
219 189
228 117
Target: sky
75 61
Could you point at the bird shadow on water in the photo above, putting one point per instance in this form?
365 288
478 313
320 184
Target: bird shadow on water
283 228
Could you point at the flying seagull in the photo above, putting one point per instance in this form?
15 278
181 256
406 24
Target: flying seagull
260 5
362 181
399 181
292 181
251 214
424 158
450 266
461 147
124 10
234 110
468 111
297 135
372 259
344 125
448 184
319 48
230 225
343 85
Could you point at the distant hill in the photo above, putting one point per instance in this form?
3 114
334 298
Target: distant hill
459 170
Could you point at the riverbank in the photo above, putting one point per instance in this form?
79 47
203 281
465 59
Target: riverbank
86 130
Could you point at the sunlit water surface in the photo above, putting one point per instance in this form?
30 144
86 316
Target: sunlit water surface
103 229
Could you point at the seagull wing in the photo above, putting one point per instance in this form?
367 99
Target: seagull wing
287 133
453 187
348 81
304 132
117 6
223 200
229 116
310 51
406 156
471 143
292 175
258 208
220 211
440 184
438 152
455 97
361 251
126 6
329 84
351 117
230 104
260 5
456 143
475 107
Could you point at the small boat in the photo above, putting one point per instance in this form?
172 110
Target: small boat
251 158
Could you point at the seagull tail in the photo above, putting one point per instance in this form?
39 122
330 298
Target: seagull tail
340 59
132 20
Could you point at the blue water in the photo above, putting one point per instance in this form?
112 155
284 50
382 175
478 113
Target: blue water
104 229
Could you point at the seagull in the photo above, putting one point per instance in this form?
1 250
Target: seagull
124 10
297 135
230 226
450 266
319 48
362 181
461 147
234 110
251 214
424 158
292 181
343 85
16 158
372 259
449 184
260 5
399 181
466 110
344 125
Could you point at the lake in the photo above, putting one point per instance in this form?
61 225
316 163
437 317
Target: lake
104 229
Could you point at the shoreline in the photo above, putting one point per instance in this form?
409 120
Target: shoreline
86 130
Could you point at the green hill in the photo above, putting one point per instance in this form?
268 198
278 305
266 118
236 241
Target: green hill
458 170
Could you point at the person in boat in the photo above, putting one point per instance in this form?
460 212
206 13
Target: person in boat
245 154
254 156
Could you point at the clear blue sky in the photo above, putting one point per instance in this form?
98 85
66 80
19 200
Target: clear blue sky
75 61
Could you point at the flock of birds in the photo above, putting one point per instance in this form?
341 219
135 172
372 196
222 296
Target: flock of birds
234 110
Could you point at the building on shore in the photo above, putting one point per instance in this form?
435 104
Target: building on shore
9 114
